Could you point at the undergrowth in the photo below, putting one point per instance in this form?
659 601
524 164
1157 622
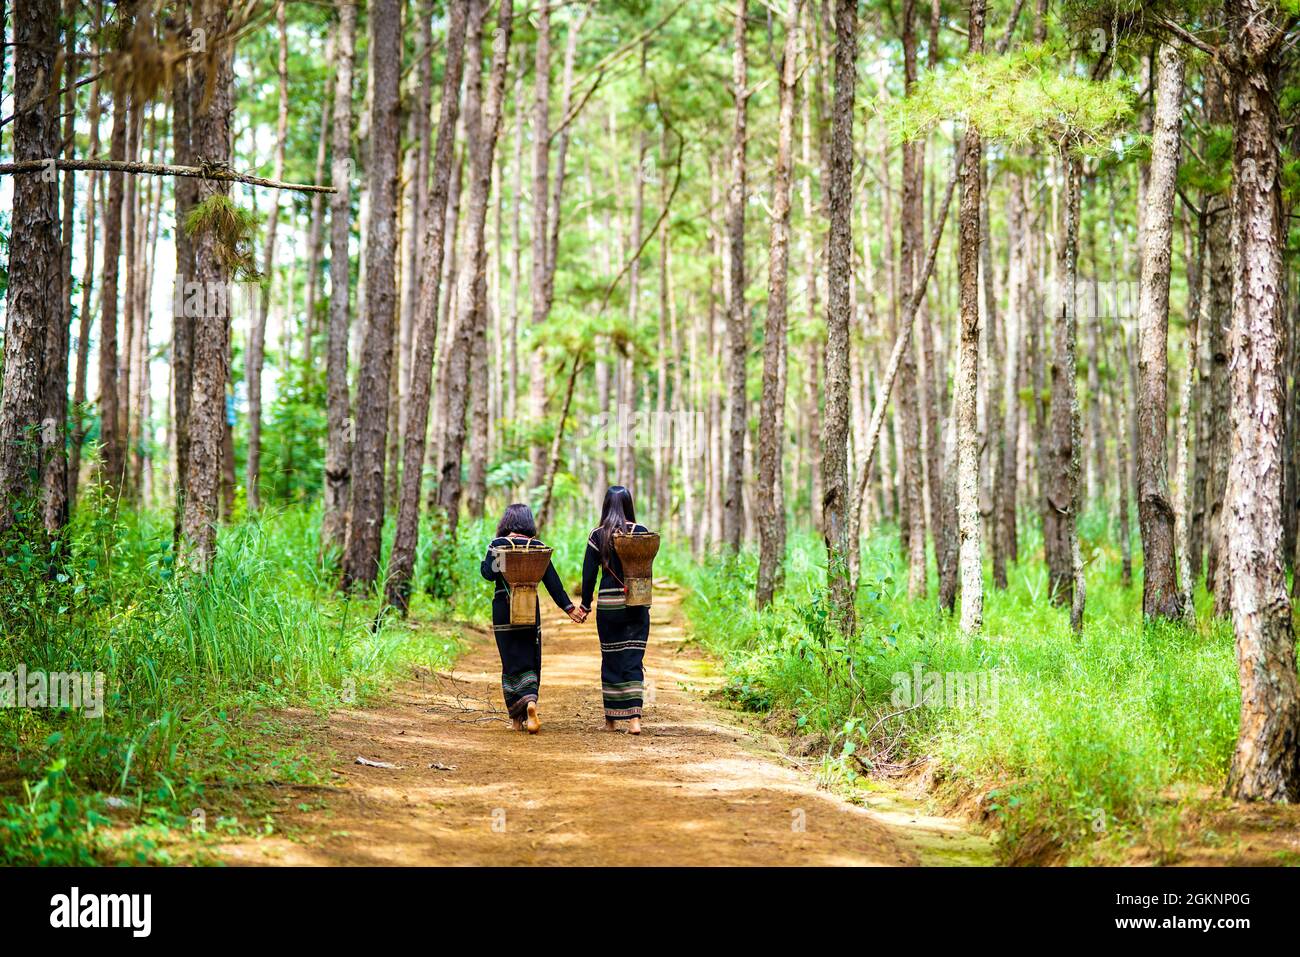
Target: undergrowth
1063 739
197 671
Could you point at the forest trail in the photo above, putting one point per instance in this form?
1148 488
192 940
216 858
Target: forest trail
697 787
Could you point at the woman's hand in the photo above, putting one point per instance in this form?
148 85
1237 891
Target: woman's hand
577 614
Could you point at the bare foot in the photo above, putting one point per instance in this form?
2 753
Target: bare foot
611 724
534 724
634 726
516 724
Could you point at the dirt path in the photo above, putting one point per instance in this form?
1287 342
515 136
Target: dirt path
698 787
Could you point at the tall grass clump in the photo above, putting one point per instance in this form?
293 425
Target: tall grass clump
1071 737
194 666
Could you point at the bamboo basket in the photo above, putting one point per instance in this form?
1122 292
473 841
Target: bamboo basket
636 552
522 566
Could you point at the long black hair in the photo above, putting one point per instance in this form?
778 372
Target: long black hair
517 519
615 513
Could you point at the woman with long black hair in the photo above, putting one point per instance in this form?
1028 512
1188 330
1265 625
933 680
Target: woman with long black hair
520 646
623 630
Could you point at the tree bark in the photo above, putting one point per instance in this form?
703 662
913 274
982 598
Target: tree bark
1064 494
113 454
84 312
366 522
968 358
812 404
34 305
737 314
1266 762
1160 593
1187 433
210 138
1012 378
770 437
907 401
1061 479
482 123
516 247
56 494
541 204
182 358
416 201
835 438
316 235
338 443
1219 316
401 562
257 337
126 359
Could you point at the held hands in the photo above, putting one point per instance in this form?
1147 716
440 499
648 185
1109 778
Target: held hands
577 614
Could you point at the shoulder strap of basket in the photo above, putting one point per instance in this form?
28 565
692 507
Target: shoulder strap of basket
610 571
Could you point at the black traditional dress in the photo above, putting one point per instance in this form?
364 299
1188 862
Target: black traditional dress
520 645
623 631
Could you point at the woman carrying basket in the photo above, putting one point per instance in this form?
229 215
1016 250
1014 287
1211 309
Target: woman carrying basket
623 629
520 645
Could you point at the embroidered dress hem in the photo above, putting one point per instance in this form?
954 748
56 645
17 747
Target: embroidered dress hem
622 714
519 689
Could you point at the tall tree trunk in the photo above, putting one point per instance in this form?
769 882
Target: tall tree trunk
516 248
257 337
479 416
84 311
966 393
1186 439
1266 762
55 492
541 203
338 442
482 122
450 317
1061 479
138 285
835 438
113 456
401 562
562 149
210 139
913 486
1219 316
1005 483
126 358
316 234
141 416
663 438
737 315
715 337
1160 593
34 305
185 192
366 522
991 342
625 372
812 407
416 203
770 437
1125 508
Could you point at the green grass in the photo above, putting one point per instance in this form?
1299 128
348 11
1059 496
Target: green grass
197 669
1082 739
1083 734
